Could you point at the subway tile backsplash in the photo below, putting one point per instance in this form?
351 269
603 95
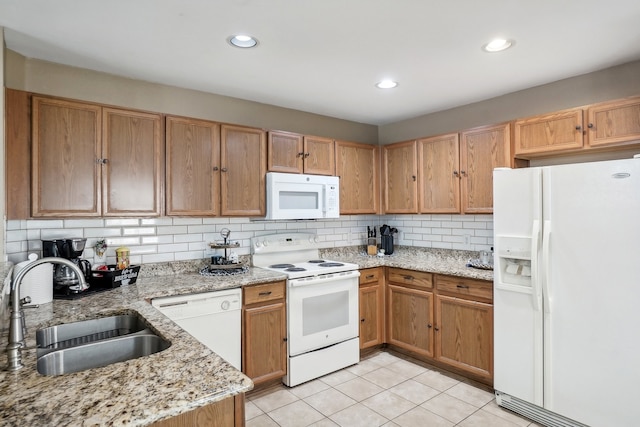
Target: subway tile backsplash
176 239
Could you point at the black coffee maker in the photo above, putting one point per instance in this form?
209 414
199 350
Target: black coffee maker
65 280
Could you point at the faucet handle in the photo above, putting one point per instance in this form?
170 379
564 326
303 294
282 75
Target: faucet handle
26 300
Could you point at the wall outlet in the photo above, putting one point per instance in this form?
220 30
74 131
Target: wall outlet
467 239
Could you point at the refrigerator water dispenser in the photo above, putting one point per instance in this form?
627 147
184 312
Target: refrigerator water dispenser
514 260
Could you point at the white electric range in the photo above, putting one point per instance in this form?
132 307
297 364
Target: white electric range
322 304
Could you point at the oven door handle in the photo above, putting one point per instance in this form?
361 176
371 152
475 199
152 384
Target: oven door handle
323 278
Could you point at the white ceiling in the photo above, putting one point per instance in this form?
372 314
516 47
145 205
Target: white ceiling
324 56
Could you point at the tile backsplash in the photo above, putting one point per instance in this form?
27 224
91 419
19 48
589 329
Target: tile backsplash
174 239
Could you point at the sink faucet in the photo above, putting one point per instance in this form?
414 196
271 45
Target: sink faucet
16 332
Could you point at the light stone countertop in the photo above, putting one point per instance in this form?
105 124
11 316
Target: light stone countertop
184 376
441 261
137 392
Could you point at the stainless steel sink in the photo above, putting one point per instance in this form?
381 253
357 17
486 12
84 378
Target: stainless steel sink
77 346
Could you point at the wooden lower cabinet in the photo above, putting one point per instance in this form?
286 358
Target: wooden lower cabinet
264 346
464 335
224 413
371 303
444 320
410 319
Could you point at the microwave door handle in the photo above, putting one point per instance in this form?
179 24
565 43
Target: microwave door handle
324 200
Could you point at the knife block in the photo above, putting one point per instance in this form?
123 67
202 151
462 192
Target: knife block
372 247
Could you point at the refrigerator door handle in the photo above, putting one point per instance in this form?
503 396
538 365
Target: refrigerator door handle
546 240
535 277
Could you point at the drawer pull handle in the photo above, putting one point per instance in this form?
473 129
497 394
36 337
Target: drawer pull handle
462 286
371 276
264 294
408 277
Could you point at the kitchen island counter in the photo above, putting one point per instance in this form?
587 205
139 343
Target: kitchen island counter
137 392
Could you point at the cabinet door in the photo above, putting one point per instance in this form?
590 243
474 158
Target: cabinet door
614 122
400 177
483 149
265 350
438 163
18 153
560 131
243 167
66 148
319 156
132 173
357 166
371 304
193 167
410 319
464 335
285 152
219 414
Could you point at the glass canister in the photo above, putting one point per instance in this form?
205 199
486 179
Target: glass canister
122 258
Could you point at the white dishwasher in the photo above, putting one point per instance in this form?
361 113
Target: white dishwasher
213 318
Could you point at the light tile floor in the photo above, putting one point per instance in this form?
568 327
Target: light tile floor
384 389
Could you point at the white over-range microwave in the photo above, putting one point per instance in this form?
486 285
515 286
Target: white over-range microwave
296 196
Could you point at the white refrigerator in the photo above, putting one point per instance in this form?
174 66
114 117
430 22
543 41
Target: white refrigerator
567 293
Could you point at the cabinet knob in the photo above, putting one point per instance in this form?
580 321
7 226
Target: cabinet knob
456 174
408 277
463 172
300 155
590 125
436 328
413 177
578 127
284 339
102 161
223 169
462 286
306 155
429 325
362 320
370 276
215 168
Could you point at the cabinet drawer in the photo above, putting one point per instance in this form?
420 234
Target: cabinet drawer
465 287
369 275
410 277
267 292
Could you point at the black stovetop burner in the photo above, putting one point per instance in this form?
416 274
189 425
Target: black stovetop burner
316 261
331 264
281 266
295 269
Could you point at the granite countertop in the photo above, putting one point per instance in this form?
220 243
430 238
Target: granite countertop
181 378
441 261
136 392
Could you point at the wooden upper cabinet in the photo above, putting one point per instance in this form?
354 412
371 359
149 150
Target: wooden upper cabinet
132 155
439 184
548 133
482 150
614 122
66 142
243 164
17 127
319 156
193 167
357 166
285 152
400 177
294 153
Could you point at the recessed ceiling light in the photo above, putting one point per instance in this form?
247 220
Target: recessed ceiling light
386 84
243 41
497 45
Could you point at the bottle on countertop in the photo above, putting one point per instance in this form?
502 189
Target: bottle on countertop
122 258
